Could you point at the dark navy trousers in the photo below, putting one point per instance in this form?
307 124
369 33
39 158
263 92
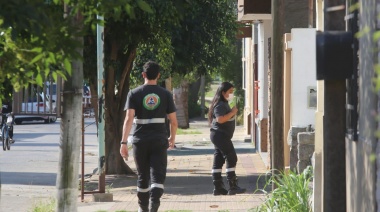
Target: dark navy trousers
151 163
224 153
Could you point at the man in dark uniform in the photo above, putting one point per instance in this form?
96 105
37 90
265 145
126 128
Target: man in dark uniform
5 109
148 106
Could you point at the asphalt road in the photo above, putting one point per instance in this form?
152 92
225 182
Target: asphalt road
29 170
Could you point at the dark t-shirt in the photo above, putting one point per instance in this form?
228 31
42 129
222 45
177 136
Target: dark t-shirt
7 108
151 103
228 127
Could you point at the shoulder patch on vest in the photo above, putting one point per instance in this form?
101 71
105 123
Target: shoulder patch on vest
151 101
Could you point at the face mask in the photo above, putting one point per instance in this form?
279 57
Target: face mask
230 97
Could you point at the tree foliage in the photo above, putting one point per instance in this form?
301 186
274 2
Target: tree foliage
205 28
184 36
122 38
35 42
36 36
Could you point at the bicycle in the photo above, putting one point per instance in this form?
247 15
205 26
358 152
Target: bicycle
6 124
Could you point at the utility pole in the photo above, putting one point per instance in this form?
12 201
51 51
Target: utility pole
70 140
277 98
101 96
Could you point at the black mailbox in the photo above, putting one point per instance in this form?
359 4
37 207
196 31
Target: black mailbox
334 55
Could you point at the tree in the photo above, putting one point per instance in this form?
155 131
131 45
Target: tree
122 38
200 44
32 53
35 42
205 29
157 35
230 70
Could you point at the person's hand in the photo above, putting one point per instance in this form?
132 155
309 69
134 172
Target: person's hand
234 110
171 143
124 151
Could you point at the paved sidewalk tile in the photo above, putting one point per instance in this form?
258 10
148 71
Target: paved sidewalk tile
188 185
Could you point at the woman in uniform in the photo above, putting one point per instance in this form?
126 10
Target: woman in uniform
222 119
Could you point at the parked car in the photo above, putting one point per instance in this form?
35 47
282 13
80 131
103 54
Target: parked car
36 109
19 119
42 105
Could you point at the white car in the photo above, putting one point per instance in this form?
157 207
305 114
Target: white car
34 110
19 119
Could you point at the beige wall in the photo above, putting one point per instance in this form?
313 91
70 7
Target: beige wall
318 157
287 87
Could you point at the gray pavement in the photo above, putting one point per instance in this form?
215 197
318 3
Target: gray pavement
28 173
188 185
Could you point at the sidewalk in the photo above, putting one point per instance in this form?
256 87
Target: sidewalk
188 185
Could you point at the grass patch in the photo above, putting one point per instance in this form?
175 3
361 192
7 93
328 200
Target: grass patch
178 211
211 92
293 192
44 206
187 131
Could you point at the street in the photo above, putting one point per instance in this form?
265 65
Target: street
29 169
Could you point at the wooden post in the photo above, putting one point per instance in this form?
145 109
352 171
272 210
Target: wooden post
334 159
277 145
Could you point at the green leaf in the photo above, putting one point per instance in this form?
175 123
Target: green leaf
36 58
376 36
362 32
144 6
67 65
354 7
39 79
52 57
37 50
54 74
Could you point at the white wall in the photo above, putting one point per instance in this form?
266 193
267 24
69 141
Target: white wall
246 60
303 75
264 32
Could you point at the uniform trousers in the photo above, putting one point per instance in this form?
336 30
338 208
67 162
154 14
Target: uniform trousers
224 152
151 163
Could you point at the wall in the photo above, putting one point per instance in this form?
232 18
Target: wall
318 159
247 70
303 75
296 14
264 32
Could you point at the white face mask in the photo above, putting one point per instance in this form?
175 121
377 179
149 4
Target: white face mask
230 97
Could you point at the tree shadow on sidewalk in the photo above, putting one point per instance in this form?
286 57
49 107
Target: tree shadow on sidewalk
197 151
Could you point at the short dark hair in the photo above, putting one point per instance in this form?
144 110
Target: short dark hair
151 69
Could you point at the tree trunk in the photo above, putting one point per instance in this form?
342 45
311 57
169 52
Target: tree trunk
181 103
194 88
114 108
203 93
71 137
